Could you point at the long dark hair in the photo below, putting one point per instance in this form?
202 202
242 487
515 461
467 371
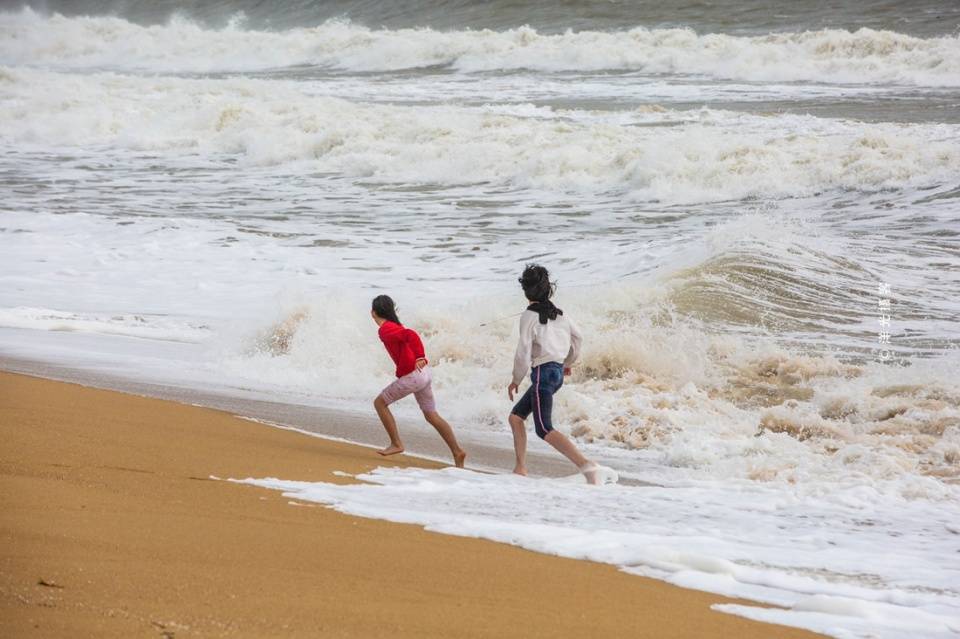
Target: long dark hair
536 283
384 307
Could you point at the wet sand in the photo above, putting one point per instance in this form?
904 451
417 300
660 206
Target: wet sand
421 440
112 527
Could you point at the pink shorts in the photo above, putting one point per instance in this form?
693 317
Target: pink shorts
417 382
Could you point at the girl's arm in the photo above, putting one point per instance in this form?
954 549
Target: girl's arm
576 339
413 340
521 360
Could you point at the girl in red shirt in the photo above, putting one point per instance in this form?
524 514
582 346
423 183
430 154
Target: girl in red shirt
413 376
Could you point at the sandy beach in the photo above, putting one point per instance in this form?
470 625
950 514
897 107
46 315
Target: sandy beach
747 208
112 527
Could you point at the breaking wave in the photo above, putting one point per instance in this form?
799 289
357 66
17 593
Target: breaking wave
826 55
659 384
677 156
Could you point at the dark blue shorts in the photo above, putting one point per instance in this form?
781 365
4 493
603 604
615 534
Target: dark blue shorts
546 380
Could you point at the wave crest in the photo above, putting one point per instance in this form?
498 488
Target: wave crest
828 55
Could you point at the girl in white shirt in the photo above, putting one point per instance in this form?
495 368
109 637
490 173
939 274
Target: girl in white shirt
549 345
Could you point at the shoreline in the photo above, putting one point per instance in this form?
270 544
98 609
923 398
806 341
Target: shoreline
107 501
325 422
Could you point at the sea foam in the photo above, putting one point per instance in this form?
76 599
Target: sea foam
816 559
697 156
828 55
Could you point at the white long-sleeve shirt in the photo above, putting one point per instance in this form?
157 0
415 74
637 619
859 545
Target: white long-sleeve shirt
556 341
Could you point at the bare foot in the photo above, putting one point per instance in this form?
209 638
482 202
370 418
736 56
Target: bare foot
520 470
591 472
459 457
596 474
390 450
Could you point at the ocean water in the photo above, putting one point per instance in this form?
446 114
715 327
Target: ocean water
739 201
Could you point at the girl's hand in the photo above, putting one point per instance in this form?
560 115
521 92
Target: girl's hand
511 389
420 363
566 371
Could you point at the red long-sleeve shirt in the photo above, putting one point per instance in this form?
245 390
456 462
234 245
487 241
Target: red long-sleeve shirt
403 344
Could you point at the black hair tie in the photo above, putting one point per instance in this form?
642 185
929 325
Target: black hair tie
546 310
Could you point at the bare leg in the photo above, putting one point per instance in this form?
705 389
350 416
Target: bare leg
519 443
569 450
390 425
434 419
